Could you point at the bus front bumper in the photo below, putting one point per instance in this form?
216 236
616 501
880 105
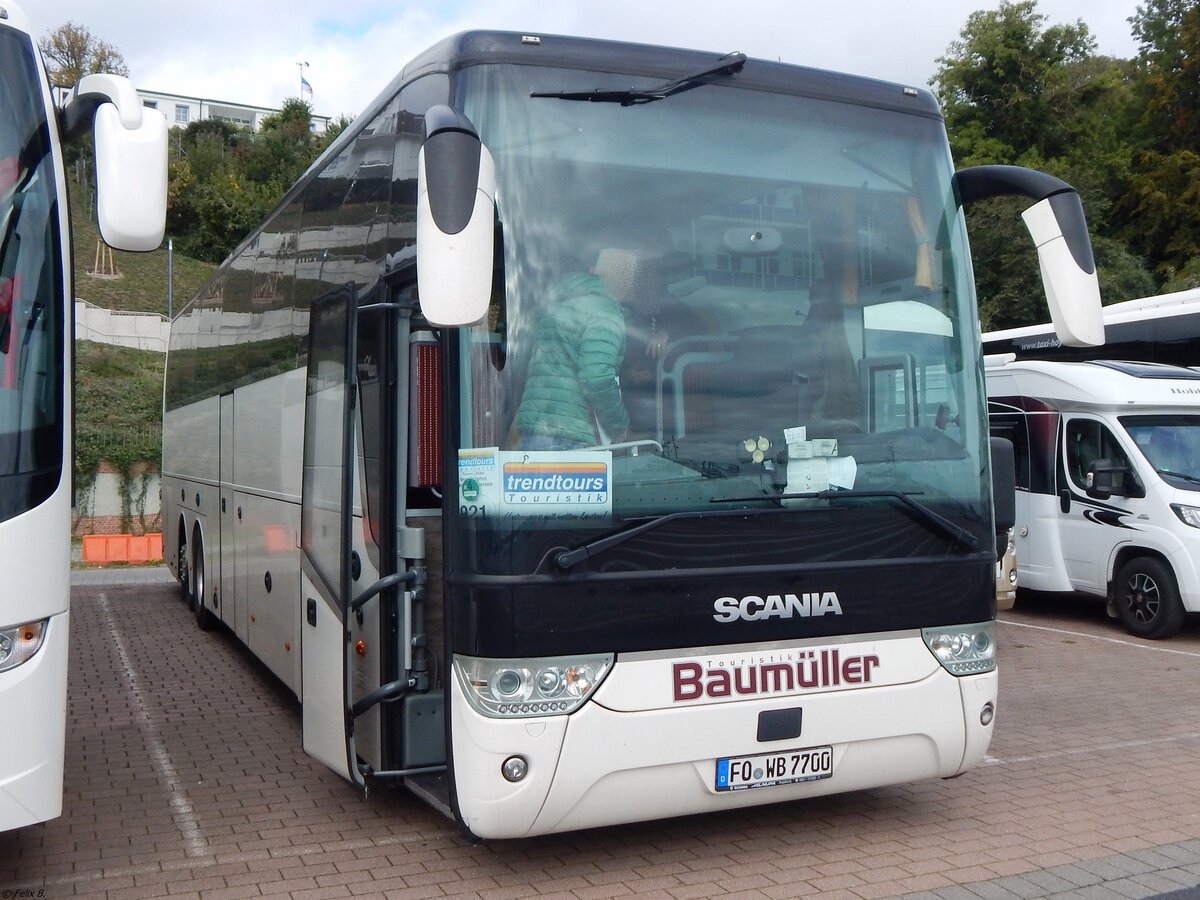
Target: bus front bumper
601 767
33 716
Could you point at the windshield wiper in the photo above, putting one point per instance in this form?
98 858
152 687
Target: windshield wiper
934 521
1181 475
568 559
729 64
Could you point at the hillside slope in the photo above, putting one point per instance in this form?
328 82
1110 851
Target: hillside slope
142 285
118 391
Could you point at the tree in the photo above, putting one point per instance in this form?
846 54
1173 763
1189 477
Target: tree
1006 82
1160 210
223 179
72 51
283 147
1018 92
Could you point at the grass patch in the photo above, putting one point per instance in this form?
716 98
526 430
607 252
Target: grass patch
118 406
142 286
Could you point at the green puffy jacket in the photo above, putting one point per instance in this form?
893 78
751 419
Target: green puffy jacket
578 348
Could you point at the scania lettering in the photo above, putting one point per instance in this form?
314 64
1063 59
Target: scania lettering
36 347
730 609
788 549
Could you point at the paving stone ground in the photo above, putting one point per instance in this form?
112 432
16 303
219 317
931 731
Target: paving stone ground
185 778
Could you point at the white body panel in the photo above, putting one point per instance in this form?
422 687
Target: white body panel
258 533
1163 306
637 754
1040 564
323 685
34 557
1073 551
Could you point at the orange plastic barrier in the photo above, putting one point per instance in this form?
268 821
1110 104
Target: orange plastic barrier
99 549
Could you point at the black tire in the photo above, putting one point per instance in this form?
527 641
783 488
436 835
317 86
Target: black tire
185 582
1147 598
205 619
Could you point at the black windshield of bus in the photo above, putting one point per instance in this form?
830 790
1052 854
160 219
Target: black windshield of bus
30 321
728 300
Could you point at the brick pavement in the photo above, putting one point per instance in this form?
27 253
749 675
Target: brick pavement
185 778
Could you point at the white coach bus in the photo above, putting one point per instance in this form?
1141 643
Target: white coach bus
766 573
36 287
1160 329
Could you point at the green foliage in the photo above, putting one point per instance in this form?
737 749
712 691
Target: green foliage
1017 92
1011 79
1163 204
118 401
223 210
1158 213
1169 61
1185 279
224 180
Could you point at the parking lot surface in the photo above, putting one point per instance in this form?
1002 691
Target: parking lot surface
185 778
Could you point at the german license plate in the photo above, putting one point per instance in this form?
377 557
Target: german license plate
740 773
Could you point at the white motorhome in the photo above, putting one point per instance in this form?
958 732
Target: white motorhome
1108 482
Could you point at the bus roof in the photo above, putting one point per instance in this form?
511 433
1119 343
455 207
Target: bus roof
472 48
1158 306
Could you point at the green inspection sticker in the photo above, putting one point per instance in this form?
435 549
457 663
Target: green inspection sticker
470 489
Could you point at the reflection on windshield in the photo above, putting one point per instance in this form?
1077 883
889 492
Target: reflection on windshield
1170 443
740 298
30 385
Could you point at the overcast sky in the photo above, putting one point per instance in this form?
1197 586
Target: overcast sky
247 50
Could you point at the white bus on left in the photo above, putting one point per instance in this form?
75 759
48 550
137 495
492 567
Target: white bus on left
35 392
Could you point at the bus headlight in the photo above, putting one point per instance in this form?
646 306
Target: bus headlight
20 643
518 688
963 649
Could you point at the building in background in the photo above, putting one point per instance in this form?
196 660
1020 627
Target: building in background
181 110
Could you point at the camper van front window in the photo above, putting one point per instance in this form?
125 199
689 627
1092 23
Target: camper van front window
1171 444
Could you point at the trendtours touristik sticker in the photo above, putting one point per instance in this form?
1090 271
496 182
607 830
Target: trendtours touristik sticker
565 483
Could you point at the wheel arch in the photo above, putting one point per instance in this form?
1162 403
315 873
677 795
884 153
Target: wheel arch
1135 551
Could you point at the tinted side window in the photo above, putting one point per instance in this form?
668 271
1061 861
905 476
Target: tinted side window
1088 441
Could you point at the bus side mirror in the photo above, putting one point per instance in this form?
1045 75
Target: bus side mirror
1058 228
131 179
456 216
131 159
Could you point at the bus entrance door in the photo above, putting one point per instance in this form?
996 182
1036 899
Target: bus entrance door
325 533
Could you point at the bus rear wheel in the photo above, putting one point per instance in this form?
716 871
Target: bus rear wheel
185 584
205 619
1147 598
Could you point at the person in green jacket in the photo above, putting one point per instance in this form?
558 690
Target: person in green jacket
572 398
